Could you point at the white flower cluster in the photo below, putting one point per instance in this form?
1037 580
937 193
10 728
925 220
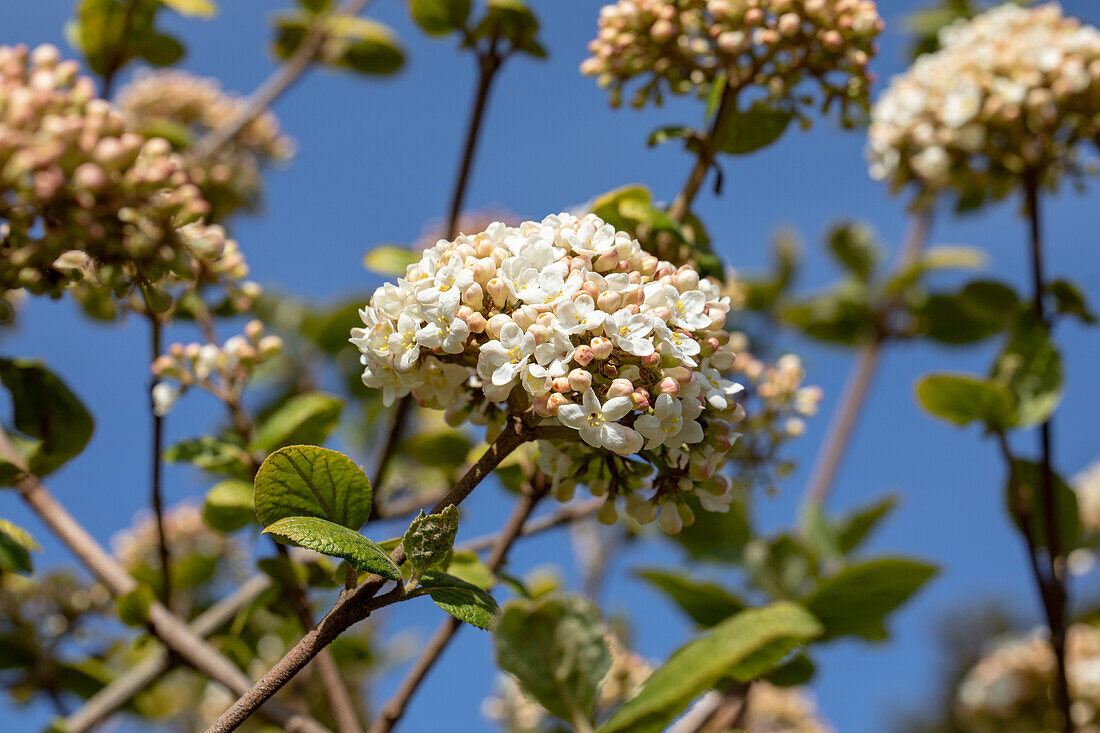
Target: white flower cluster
182 107
572 319
185 529
90 205
775 44
1012 90
221 370
1012 685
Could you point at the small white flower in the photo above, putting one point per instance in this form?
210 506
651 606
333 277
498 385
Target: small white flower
443 330
440 382
402 343
667 424
687 310
676 344
580 315
630 332
451 279
717 390
536 379
556 353
164 397
598 426
500 361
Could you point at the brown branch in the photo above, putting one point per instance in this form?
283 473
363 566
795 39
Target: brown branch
156 498
1057 594
124 687
708 149
858 386
394 709
357 604
275 85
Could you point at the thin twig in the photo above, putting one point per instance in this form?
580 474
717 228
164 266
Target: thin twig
357 604
276 84
488 64
124 687
156 498
1056 580
395 708
707 151
858 386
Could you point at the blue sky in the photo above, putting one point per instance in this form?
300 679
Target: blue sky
375 163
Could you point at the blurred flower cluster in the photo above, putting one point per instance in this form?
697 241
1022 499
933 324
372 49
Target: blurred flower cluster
186 533
1010 689
1012 90
600 337
181 108
88 204
685 45
224 370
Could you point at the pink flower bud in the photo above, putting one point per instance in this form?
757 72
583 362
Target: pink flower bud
496 323
669 386
591 289
620 388
555 401
640 398
601 347
476 322
474 296
580 379
561 384
651 360
498 291
539 405
609 301
668 519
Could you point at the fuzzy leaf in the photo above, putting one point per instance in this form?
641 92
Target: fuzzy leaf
334 540
429 539
695 667
390 259
211 454
755 128
440 17
857 599
706 604
962 399
305 480
465 601
46 410
556 648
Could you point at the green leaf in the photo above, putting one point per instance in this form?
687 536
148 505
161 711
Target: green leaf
706 604
963 399
755 128
390 259
305 480
716 536
211 454
316 6
465 601
133 607
695 667
857 600
1023 493
362 45
199 8
841 315
822 537
440 17
510 19
799 670
334 540
160 49
46 410
429 539
855 247
16 546
303 419
1070 300
466 565
854 528
229 505
1030 369
557 650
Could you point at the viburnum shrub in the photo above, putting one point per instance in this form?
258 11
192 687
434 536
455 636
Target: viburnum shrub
601 376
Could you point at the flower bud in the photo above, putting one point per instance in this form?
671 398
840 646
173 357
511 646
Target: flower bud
601 347
476 322
583 354
580 379
474 296
608 301
620 388
668 519
498 291
607 513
